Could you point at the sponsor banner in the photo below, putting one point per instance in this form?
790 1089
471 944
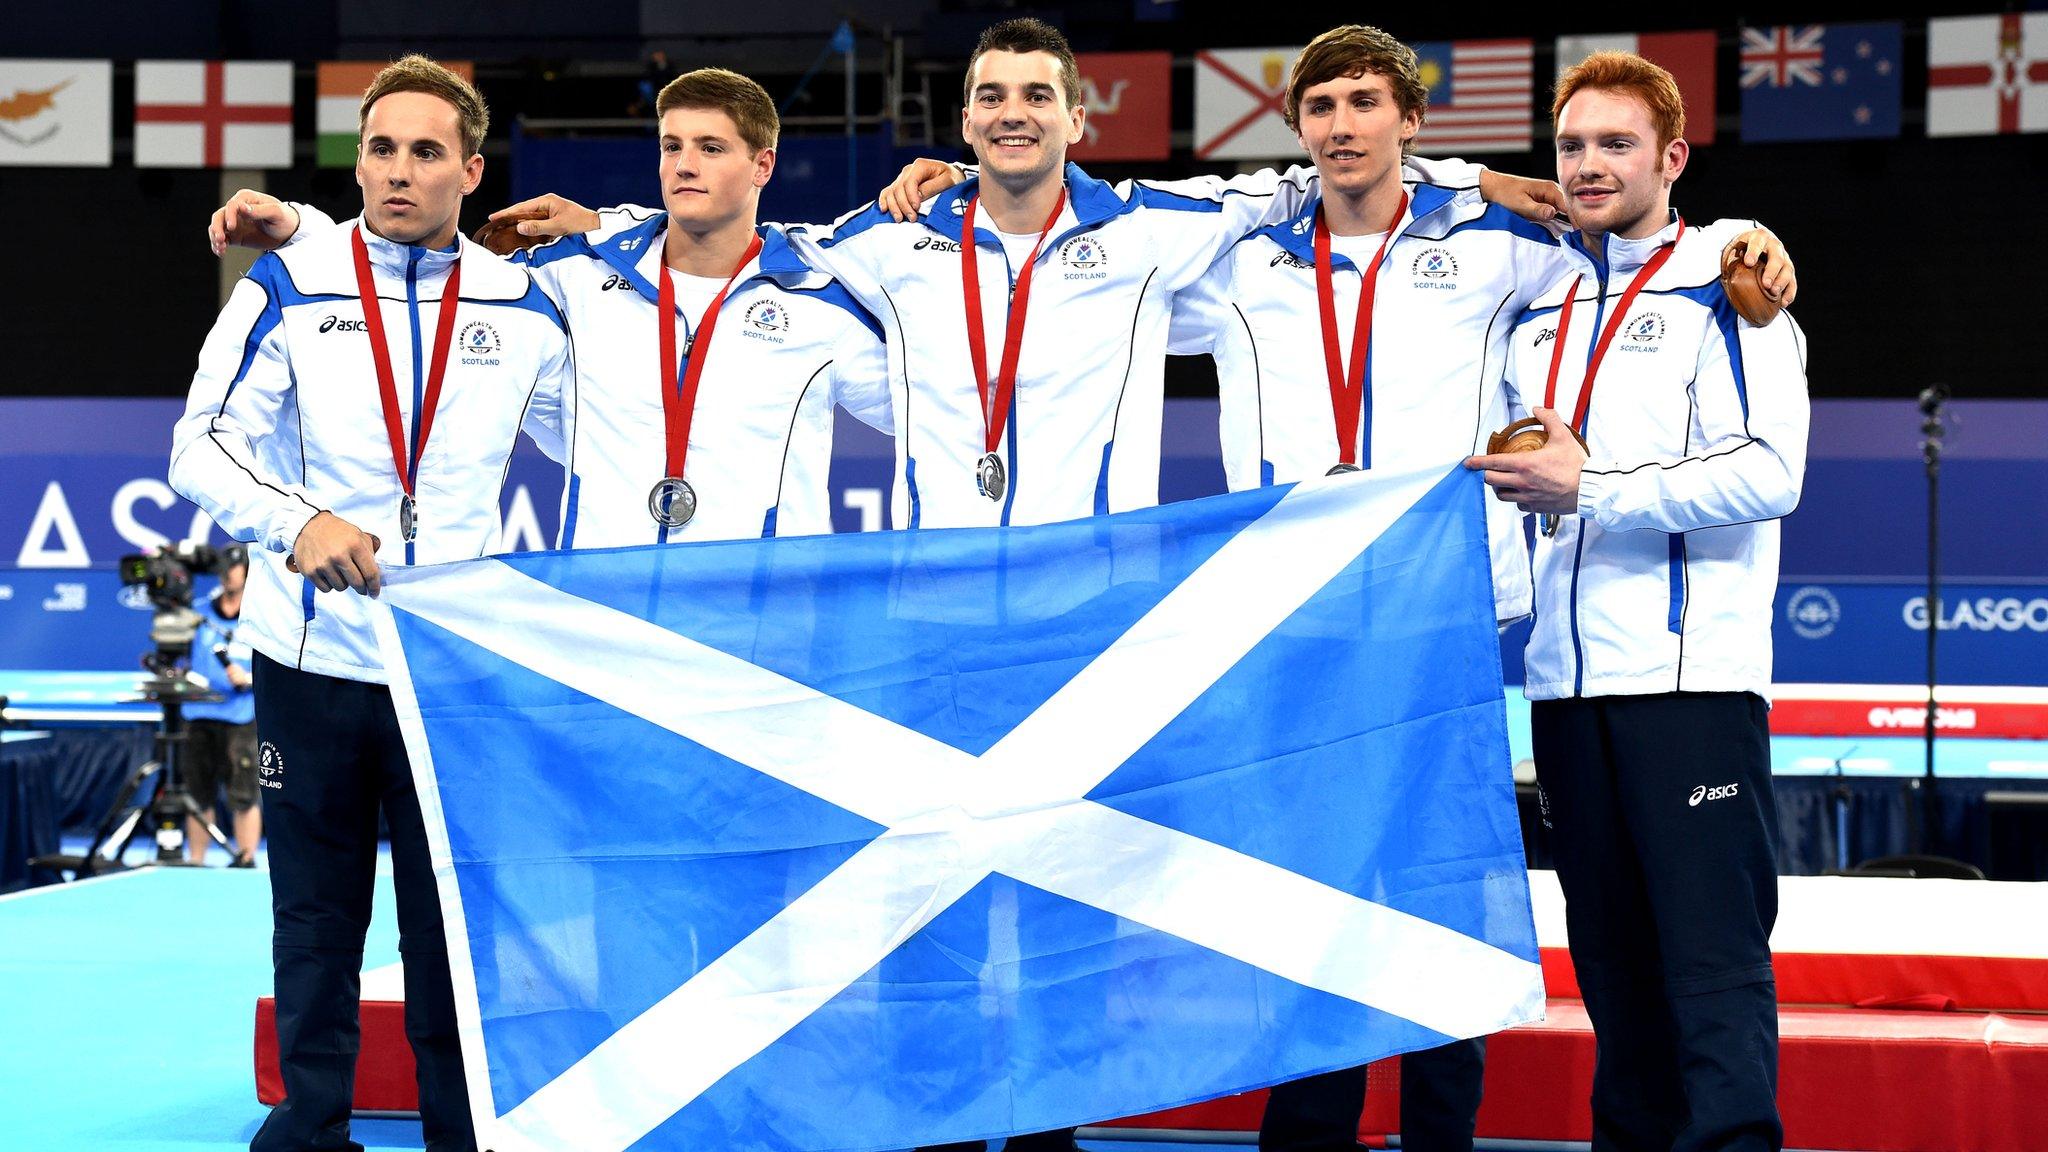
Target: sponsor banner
213 114
1129 97
1238 95
1988 633
1479 96
57 113
1821 81
1893 710
1688 56
1987 74
338 89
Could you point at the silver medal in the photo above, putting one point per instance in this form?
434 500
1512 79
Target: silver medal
672 501
408 518
990 477
1340 469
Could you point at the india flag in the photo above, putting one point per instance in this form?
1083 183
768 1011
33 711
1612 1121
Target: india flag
341 84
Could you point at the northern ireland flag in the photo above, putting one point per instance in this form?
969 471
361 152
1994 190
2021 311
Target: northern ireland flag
877 841
1688 56
1987 74
213 114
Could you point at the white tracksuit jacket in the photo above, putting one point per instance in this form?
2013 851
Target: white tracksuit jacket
789 346
284 421
1697 426
1451 285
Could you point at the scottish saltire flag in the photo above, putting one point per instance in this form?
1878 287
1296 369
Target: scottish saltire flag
1821 81
874 841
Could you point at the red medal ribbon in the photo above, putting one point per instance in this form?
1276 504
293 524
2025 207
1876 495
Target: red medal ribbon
677 410
380 352
994 416
1564 323
1347 388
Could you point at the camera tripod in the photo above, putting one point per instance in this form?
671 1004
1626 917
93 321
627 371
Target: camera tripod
166 811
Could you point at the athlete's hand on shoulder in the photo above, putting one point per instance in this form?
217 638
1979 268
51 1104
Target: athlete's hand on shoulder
1545 480
1540 201
335 554
552 216
920 180
251 219
1778 277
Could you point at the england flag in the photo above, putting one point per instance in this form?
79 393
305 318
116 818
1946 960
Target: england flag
883 840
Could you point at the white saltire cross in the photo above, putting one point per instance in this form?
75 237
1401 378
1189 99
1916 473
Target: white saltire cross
1019 809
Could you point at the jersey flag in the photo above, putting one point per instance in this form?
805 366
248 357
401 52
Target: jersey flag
883 840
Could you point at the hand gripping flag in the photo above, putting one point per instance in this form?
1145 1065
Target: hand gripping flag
876 841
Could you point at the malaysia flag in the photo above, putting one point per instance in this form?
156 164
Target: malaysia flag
1479 96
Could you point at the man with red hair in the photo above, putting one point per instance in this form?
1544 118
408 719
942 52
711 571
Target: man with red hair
1651 656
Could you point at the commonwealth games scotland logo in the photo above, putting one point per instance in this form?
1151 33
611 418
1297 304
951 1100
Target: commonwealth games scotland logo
1435 264
1083 253
479 339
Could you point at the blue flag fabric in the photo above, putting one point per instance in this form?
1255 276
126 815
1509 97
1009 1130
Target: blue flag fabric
875 841
1821 81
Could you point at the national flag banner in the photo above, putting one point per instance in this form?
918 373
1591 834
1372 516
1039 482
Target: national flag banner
1479 96
1821 82
1688 56
57 113
213 114
1238 99
1987 75
890 839
338 88
1129 97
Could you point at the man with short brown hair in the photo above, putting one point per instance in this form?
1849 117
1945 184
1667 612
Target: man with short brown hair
1366 334
310 433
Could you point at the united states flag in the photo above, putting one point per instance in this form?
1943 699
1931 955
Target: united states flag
1479 96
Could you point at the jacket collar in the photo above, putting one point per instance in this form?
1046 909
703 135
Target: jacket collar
398 260
1090 203
1623 255
635 255
1426 202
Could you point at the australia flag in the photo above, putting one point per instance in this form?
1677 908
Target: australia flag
884 840
1821 82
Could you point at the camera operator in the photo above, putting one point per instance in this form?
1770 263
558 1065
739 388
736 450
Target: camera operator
220 743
